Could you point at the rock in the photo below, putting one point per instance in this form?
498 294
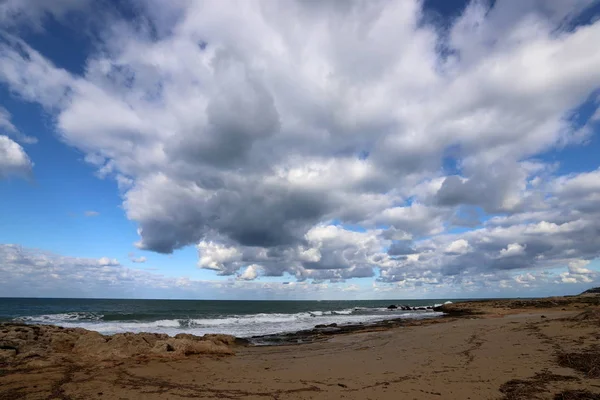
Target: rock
47 344
392 307
220 338
502 306
320 326
7 354
186 347
595 290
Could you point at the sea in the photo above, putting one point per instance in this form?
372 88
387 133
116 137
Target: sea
243 319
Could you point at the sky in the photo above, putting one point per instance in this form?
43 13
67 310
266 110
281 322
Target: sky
299 149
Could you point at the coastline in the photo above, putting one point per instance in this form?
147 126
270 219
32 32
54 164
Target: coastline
198 317
495 349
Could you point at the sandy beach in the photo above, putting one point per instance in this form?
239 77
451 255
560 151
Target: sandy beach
530 352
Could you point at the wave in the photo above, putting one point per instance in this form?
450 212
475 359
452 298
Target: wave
60 317
238 325
334 312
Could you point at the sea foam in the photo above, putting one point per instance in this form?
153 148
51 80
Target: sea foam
237 325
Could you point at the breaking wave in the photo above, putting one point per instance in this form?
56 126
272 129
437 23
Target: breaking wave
237 325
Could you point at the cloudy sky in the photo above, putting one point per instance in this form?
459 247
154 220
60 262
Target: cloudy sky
299 149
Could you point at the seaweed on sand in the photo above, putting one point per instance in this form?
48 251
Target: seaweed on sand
523 389
587 362
577 395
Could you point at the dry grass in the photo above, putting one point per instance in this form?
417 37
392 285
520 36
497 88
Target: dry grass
587 362
588 317
577 395
524 389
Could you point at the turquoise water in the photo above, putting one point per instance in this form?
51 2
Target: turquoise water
239 318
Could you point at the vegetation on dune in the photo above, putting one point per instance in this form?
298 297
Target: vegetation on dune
595 290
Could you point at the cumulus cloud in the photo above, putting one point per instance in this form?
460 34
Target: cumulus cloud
28 272
13 159
250 273
577 267
108 262
513 249
7 128
459 246
33 272
266 147
577 273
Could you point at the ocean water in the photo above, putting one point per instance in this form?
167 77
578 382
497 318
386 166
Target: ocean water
238 318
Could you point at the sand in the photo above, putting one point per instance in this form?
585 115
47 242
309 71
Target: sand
501 355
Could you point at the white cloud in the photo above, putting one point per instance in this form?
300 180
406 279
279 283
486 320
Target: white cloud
91 213
578 275
351 288
250 273
108 262
576 267
7 128
459 246
234 130
215 255
513 249
30 272
13 159
525 279
32 12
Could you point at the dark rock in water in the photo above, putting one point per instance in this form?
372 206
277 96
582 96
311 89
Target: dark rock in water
392 307
329 330
429 307
323 326
406 308
322 332
421 308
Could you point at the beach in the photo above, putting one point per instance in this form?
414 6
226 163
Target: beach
496 351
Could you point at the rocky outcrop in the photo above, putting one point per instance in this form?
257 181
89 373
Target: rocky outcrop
507 306
595 290
47 344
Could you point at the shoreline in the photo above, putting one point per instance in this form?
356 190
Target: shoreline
324 331
198 318
447 312
507 349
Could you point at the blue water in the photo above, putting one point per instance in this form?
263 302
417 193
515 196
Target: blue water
239 318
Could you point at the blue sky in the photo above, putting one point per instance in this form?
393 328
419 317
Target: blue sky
383 150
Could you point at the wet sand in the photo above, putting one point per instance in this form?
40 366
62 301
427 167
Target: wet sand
501 355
